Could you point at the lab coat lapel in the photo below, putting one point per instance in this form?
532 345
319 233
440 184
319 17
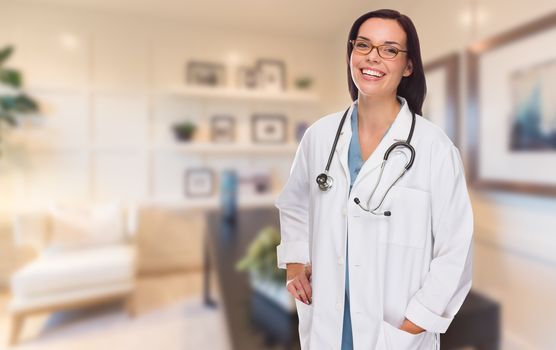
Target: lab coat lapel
343 143
398 132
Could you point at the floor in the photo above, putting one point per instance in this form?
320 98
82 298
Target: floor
170 316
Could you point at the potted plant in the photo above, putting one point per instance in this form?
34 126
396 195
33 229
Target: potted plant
264 275
304 82
184 131
13 101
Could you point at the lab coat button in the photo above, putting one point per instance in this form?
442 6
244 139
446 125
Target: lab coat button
344 211
340 260
339 306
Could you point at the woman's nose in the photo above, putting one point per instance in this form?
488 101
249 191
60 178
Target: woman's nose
373 54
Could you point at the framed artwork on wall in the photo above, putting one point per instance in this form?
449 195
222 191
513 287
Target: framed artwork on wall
442 102
222 129
199 182
206 74
512 125
247 77
271 75
268 128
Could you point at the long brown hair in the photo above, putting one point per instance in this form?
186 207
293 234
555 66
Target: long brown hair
413 88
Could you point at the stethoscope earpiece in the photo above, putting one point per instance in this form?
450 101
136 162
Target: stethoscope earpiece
358 202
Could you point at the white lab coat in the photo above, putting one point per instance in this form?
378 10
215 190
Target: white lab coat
415 263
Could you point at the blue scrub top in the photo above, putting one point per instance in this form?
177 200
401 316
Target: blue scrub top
355 162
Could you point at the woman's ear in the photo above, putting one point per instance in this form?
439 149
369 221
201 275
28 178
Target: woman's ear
408 69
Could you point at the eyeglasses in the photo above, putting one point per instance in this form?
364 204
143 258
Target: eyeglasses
364 47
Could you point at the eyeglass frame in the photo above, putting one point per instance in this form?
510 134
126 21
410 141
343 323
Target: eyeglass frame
352 42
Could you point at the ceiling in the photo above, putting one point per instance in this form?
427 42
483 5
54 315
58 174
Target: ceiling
320 18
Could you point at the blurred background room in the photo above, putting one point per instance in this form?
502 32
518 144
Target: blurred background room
143 144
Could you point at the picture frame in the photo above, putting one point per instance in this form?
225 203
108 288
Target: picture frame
271 75
501 98
255 182
247 77
199 182
268 128
442 103
208 74
222 128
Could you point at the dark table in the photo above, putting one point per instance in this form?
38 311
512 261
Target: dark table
249 316
256 324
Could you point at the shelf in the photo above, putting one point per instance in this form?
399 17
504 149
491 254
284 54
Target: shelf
227 149
213 202
186 91
241 94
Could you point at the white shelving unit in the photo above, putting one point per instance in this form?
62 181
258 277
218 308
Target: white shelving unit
213 202
206 93
230 149
211 153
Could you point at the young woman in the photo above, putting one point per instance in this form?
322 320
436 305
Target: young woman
376 221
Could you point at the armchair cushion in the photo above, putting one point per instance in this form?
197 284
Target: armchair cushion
84 228
74 270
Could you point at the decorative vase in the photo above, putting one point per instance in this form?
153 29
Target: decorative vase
228 195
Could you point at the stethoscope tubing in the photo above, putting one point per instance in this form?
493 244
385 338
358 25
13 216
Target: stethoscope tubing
325 181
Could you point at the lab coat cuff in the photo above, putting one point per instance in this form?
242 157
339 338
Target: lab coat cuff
292 252
424 318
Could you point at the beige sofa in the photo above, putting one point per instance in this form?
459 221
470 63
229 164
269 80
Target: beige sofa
85 257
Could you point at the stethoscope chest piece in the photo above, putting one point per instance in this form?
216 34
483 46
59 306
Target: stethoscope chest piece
325 182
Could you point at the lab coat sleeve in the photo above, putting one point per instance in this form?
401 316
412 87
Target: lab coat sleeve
448 280
293 203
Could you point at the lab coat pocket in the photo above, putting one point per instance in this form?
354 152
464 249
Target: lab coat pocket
410 222
397 339
305 316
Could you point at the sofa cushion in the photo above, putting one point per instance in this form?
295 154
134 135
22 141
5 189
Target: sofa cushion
73 270
74 228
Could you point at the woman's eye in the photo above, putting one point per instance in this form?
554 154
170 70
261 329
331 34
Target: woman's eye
362 45
390 49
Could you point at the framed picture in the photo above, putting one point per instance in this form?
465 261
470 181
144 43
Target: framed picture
199 182
222 128
254 182
247 77
206 74
268 128
271 75
442 102
512 89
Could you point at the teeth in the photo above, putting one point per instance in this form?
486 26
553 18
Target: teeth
372 72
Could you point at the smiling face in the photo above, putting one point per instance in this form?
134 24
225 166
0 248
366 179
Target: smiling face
373 75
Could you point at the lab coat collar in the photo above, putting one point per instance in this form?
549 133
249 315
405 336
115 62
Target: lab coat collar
398 131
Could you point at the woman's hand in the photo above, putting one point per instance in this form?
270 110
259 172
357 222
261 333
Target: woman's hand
298 282
411 327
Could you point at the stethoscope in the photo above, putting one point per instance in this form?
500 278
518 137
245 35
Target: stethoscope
325 181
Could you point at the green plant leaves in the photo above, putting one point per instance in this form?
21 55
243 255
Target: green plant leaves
261 255
16 102
5 53
10 77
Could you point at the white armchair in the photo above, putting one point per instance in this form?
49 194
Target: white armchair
84 257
